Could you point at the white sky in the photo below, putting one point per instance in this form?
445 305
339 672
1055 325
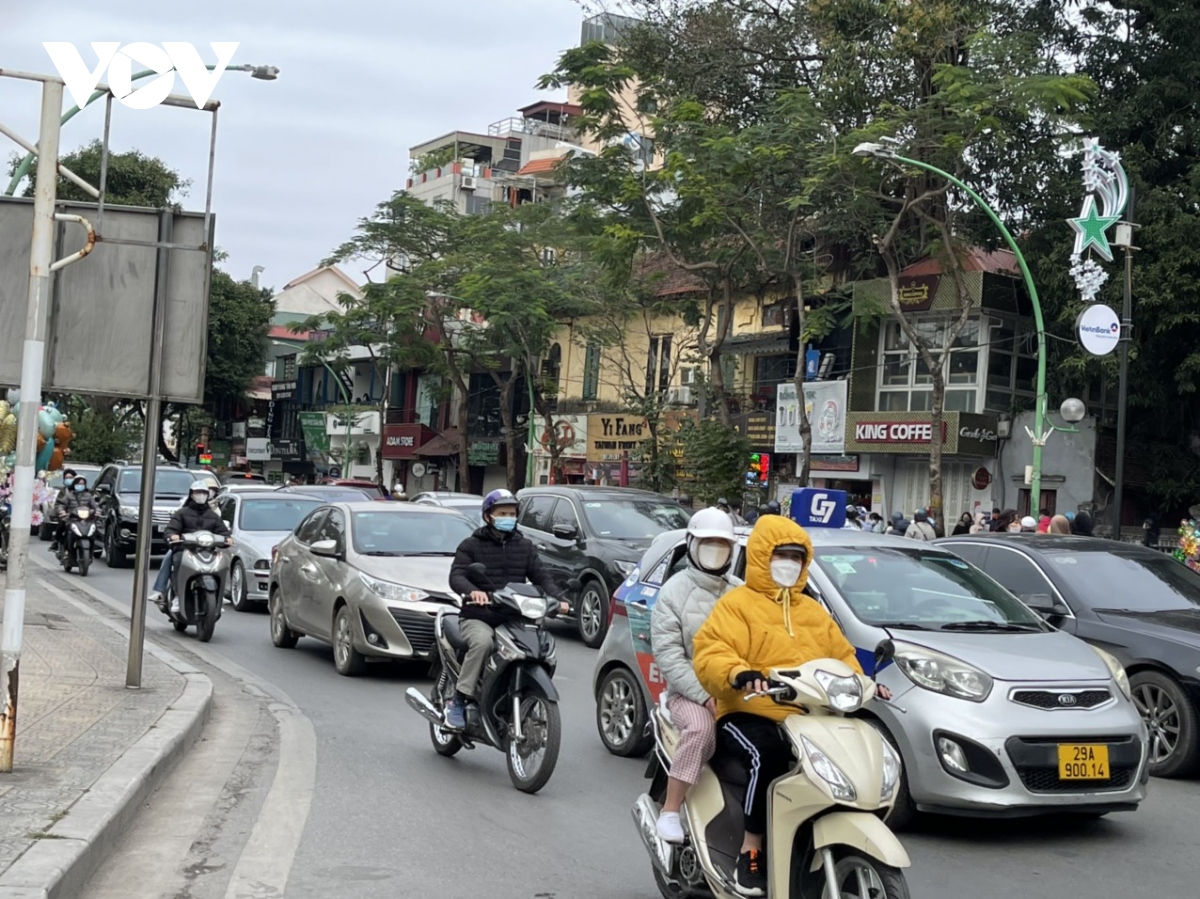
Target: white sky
300 159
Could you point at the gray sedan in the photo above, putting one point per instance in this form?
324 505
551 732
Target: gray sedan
258 520
994 712
366 577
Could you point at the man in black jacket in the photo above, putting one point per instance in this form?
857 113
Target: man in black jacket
509 559
74 495
60 526
194 515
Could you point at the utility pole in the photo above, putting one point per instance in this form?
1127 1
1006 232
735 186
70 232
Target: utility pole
33 358
1124 239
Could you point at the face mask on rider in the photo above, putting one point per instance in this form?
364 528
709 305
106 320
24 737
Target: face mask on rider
713 555
504 525
785 572
200 498
79 488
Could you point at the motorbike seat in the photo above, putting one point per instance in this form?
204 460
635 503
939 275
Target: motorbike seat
452 632
729 769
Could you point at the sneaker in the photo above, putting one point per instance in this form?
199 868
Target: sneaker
155 597
670 828
750 878
455 720
174 605
54 547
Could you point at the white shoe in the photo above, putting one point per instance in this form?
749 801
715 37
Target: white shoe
174 605
155 597
670 828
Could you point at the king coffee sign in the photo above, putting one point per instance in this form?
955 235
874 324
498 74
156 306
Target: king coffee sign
895 432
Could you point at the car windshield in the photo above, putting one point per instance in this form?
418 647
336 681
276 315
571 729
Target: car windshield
274 514
1105 580
404 533
166 480
919 589
55 480
374 491
634 519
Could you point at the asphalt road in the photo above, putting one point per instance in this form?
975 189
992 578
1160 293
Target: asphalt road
390 818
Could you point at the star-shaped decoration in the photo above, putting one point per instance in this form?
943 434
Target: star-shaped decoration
1091 229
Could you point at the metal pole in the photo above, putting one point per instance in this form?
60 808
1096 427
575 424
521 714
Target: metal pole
530 437
1123 388
141 572
33 354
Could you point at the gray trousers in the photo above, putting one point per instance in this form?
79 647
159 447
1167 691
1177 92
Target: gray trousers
479 636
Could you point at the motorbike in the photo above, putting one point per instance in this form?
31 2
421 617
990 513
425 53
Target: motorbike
80 546
517 699
826 837
199 582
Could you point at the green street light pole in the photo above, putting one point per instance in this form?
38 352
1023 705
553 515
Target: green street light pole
1038 438
263 73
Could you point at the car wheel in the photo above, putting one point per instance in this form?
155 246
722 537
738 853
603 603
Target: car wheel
1171 721
621 715
281 635
591 614
114 556
348 661
237 587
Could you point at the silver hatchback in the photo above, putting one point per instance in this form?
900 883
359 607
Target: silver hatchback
994 712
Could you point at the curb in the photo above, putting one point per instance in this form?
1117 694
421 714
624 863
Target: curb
58 868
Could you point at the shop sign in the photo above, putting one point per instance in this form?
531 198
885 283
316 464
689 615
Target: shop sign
608 436
981 479
977 435
283 390
896 432
403 441
286 450
760 429
316 441
832 463
258 449
569 436
916 294
825 406
482 452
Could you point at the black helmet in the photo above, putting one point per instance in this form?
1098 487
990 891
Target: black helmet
722 503
773 507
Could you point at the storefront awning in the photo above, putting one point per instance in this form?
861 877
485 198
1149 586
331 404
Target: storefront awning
756 345
444 444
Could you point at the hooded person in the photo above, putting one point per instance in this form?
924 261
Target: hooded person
1082 525
899 526
769 622
681 608
1060 525
920 529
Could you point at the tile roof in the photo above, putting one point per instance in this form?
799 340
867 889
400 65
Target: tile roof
541 166
976 259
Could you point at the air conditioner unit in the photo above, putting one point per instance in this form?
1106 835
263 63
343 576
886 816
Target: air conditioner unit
681 396
468 182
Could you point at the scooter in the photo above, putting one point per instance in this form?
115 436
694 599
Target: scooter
79 547
199 582
518 702
826 838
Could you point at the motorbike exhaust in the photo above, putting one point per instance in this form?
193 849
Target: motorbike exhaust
422 706
645 816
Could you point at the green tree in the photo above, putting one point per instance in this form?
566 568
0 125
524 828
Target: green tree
717 458
102 434
133 178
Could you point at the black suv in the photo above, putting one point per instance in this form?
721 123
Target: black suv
118 489
596 534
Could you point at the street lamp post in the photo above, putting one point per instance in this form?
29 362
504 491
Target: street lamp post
1038 436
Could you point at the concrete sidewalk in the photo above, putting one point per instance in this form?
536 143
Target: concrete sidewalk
89 752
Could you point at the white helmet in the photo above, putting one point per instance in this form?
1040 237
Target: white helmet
199 487
711 525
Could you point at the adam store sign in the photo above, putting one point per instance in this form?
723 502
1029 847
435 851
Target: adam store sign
171 58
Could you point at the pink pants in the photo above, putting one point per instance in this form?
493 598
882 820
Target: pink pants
697 737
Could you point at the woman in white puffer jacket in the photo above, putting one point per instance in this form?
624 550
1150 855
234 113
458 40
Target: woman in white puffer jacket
681 608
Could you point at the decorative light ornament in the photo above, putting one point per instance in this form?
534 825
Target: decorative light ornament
1107 188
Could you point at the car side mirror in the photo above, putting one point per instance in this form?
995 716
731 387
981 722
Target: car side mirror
1044 604
101 488
327 547
565 532
885 652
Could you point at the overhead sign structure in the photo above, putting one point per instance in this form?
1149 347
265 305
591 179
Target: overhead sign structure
813 507
1099 329
1107 188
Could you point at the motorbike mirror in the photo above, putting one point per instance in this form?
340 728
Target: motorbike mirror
101 488
884 653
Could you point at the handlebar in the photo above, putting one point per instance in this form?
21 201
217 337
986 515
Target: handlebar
781 690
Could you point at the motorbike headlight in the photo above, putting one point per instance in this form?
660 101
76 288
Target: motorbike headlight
941 673
84 514
129 511
891 771
838 783
205 541
389 591
844 693
532 606
1117 671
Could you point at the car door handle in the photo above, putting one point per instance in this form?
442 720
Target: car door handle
540 545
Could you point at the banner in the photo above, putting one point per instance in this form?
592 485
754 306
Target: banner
825 406
316 441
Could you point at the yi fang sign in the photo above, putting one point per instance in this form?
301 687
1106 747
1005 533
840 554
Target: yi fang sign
609 436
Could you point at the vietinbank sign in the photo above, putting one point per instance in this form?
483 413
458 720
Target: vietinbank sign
166 61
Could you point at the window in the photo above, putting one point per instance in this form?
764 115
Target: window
591 371
272 514
1011 364
310 527
905 383
549 255
658 364
1016 572
777 315
564 516
402 533
552 369
1131 581
975 553
227 507
334 529
289 367
536 513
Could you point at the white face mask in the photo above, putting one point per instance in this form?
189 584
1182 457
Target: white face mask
199 498
785 572
713 555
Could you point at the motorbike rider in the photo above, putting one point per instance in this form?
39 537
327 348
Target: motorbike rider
194 515
681 608
509 559
74 496
767 623
60 526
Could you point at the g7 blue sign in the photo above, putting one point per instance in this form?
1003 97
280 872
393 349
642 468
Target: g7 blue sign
814 507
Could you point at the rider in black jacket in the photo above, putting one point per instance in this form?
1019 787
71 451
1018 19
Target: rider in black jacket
74 495
194 515
509 559
60 526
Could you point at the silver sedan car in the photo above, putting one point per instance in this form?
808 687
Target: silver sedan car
258 520
994 712
366 577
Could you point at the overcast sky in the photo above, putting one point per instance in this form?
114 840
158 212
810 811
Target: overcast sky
300 159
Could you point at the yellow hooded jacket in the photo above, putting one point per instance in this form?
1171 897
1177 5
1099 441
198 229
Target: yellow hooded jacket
761 626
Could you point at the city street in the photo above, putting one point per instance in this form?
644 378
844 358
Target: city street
388 817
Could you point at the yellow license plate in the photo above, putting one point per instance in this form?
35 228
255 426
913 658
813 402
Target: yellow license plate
1083 761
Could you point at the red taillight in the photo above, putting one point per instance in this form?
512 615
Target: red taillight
612 608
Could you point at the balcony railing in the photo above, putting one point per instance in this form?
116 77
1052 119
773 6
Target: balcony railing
534 127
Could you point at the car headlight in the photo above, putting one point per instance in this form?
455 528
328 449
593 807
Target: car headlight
1117 671
941 673
844 693
129 511
838 783
626 568
263 565
891 771
388 590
